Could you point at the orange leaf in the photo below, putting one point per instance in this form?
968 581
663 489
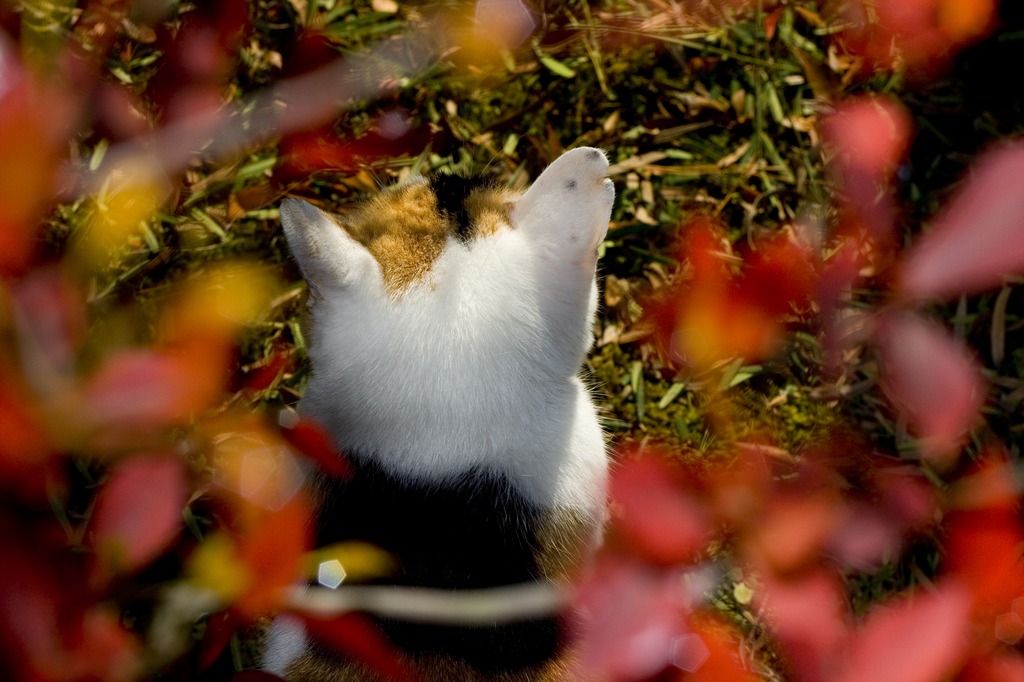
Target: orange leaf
920 33
771 22
716 315
793 530
962 20
991 483
273 546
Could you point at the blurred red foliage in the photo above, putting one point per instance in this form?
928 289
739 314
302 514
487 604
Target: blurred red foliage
731 306
932 380
922 34
34 126
977 240
306 152
797 526
138 513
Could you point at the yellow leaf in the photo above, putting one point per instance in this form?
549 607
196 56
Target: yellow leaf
222 300
351 561
965 19
118 215
216 566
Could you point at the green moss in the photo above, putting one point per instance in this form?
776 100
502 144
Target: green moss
641 402
788 415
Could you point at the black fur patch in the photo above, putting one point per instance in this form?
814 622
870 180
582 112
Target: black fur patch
473 531
451 192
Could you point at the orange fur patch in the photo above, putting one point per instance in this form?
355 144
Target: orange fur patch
404 232
566 541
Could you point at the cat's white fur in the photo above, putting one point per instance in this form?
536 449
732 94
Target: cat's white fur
474 365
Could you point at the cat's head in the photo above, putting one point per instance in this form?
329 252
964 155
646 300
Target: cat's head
444 271
393 240
463 240
443 302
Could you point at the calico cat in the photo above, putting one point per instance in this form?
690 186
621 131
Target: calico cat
449 321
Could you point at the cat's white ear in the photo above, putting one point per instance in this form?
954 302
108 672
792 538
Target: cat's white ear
329 258
570 204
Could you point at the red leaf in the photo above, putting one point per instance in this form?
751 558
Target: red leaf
807 613
737 493
27 132
264 376
28 614
1005 666
867 537
655 514
24 444
722 644
869 137
46 631
141 390
715 315
908 498
991 483
837 276
138 512
635 613
310 439
355 637
922 639
779 276
219 628
983 551
932 380
771 22
309 151
105 650
978 239
792 531
50 316
922 34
